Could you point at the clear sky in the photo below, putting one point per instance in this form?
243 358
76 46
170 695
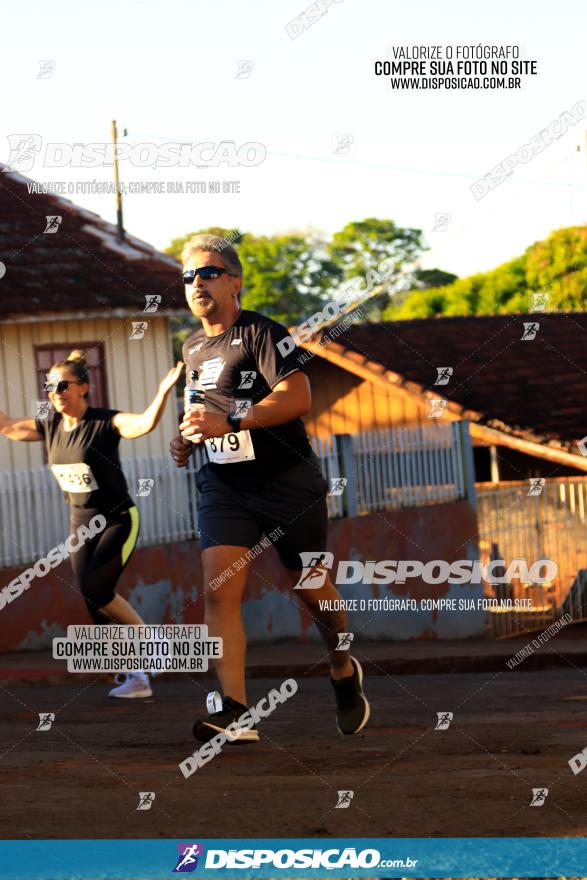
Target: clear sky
167 71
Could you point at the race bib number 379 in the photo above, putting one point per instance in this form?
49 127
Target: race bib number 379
76 477
230 448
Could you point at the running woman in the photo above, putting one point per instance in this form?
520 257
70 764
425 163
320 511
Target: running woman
262 476
82 446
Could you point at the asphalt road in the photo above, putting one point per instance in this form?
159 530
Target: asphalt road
511 732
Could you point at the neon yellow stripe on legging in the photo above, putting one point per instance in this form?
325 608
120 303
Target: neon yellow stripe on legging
129 544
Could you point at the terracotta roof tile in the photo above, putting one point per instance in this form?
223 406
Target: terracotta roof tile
534 385
82 265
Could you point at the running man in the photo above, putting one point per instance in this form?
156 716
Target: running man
262 475
82 446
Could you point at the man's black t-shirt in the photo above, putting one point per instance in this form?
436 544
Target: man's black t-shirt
244 364
85 461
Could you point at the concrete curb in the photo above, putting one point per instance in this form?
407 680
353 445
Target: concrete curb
394 666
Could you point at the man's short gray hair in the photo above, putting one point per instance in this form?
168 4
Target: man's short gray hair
214 244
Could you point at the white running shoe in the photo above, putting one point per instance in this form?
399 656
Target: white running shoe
131 685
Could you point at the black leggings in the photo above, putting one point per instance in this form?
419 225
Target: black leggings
100 560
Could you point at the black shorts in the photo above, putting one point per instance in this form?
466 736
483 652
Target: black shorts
99 562
294 501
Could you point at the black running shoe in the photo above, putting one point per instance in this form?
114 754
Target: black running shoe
218 721
352 708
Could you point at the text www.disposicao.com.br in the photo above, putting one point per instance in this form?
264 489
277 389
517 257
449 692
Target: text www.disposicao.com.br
135 664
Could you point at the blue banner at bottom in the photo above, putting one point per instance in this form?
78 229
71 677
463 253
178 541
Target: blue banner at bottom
289 858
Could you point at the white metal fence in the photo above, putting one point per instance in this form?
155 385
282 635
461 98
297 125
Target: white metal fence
388 469
518 522
408 467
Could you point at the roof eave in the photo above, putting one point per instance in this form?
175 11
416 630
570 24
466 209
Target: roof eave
372 371
90 314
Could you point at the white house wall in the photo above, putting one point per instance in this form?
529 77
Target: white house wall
133 371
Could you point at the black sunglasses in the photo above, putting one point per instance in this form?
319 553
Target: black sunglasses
60 386
208 273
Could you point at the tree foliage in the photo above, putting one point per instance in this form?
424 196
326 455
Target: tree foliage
291 276
556 267
286 277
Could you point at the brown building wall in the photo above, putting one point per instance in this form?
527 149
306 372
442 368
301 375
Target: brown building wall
346 404
343 403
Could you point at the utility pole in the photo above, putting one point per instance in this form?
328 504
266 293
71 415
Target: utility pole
117 182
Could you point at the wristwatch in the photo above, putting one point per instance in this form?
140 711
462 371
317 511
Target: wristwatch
234 422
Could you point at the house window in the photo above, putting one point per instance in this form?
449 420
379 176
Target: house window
47 355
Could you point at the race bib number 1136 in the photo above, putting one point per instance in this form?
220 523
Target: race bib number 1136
76 477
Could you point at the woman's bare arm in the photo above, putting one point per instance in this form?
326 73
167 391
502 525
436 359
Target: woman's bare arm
18 429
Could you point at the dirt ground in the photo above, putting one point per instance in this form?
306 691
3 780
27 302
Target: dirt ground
511 732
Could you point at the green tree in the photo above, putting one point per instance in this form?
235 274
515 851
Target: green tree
291 276
286 277
556 266
360 247
428 280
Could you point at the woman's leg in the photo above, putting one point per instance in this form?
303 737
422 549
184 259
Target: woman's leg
99 564
121 611
80 562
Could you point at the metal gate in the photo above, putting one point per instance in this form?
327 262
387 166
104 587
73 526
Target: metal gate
533 520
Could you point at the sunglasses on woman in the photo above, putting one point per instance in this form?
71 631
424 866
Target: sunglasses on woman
208 273
61 386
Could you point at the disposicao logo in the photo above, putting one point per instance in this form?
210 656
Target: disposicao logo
187 860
